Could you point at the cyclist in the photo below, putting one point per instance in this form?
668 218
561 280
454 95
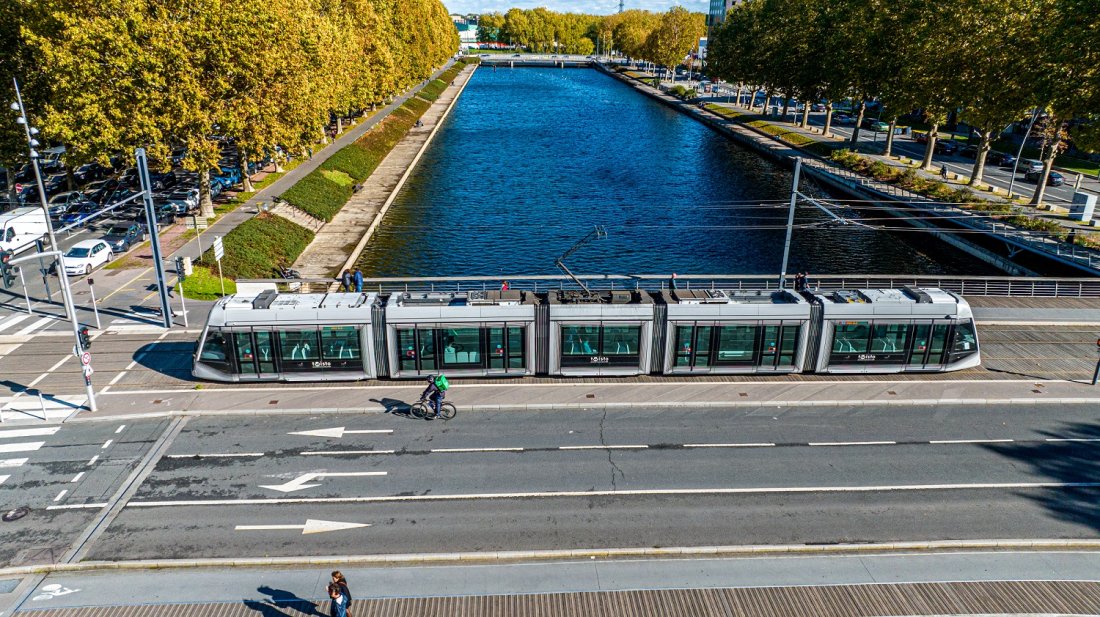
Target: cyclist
436 390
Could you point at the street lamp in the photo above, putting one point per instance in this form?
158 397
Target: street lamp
66 294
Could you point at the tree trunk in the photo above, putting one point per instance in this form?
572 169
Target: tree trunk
1041 184
979 161
205 204
786 105
738 101
859 120
10 173
339 124
828 120
890 137
767 99
805 123
246 181
930 147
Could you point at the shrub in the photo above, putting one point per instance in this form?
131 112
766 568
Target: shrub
432 91
353 161
255 248
319 196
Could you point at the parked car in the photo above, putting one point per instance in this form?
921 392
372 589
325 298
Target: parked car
1029 165
843 119
78 213
87 173
163 181
1001 158
61 203
86 255
817 107
183 200
1053 178
879 126
228 177
55 183
945 146
121 235
970 152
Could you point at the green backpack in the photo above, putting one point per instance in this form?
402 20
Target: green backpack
442 383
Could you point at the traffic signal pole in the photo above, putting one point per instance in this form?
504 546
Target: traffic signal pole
154 237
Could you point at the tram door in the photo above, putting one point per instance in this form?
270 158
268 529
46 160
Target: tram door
929 342
254 354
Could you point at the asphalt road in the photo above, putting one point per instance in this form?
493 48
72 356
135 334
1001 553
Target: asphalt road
584 479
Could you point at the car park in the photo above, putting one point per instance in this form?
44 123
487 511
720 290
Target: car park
120 235
61 203
182 201
163 181
78 213
55 183
86 255
1053 178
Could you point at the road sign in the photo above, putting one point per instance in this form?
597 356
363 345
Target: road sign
219 248
310 526
86 358
88 371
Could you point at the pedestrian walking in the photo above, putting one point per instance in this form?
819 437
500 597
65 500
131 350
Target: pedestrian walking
358 280
672 282
943 171
504 286
338 602
345 280
339 580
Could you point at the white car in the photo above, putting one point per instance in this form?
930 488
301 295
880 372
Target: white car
86 255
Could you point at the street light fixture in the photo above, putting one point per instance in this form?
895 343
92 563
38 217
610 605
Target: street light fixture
66 294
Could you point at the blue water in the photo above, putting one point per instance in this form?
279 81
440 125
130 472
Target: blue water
530 159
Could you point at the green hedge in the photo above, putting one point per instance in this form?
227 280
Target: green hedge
257 247
432 91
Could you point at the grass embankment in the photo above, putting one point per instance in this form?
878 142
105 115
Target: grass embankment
784 134
258 246
204 284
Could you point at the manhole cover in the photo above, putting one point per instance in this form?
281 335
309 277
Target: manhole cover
16 514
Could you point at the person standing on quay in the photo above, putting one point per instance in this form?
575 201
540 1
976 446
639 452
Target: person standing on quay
345 280
358 280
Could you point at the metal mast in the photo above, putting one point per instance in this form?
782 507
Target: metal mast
596 233
620 6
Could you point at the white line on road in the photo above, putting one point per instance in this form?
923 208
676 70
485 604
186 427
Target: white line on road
26 446
455 450
229 455
120 429
622 447
30 432
106 444
585 494
347 452
3 478
115 379
853 443
12 321
61 494
77 477
1071 440
93 460
34 326
962 441
729 445
12 462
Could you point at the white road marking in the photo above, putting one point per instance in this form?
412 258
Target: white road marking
347 452
7 323
625 493
302 481
58 364
232 455
115 380
961 441
311 526
12 462
106 444
77 477
93 460
34 326
30 432
457 450
1071 440
3 478
26 446
729 445
622 447
61 494
120 429
340 431
853 443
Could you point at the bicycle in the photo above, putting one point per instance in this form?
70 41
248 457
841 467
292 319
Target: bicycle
421 409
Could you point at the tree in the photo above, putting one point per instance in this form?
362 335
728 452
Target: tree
674 37
632 30
489 26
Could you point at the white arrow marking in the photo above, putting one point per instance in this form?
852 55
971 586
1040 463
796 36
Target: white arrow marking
311 526
339 432
30 432
303 480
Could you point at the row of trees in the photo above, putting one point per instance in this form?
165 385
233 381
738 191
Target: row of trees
105 76
662 38
991 61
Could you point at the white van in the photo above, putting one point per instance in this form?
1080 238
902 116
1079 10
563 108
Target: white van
20 228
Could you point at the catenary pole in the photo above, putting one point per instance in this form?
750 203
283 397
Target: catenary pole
790 223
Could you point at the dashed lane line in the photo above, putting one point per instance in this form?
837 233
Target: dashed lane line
350 452
969 441
853 443
106 444
231 455
77 477
61 495
730 445
600 493
92 460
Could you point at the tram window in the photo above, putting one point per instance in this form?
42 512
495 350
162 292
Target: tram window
851 337
938 344
264 352
580 340
769 345
496 348
515 348
965 341
246 357
461 346
736 344
340 343
788 343
215 350
683 345
426 346
702 345
920 339
620 340
406 349
299 345
889 338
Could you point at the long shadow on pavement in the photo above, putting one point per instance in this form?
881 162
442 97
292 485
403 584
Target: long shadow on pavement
171 358
283 604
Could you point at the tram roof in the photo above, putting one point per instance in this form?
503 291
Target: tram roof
273 306
461 298
731 296
904 295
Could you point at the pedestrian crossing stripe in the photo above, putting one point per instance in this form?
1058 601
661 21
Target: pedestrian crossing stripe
11 321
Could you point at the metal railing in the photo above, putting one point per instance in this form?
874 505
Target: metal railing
965 285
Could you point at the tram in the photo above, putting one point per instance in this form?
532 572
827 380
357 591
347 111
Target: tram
273 336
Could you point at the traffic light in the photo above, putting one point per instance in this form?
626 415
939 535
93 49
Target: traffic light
6 270
179 270
85 340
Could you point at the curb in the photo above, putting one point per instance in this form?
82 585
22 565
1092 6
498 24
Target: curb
562 554
586 406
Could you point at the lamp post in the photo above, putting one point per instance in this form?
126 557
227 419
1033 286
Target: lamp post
66 294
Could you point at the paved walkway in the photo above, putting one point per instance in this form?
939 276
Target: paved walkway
348 231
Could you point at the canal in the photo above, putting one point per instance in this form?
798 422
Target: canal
530 159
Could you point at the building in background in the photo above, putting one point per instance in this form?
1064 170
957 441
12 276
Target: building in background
717 13
467 30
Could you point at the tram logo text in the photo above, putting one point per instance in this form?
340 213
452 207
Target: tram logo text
321 364
866 357
598 360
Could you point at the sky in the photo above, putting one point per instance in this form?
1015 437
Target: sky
593 7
